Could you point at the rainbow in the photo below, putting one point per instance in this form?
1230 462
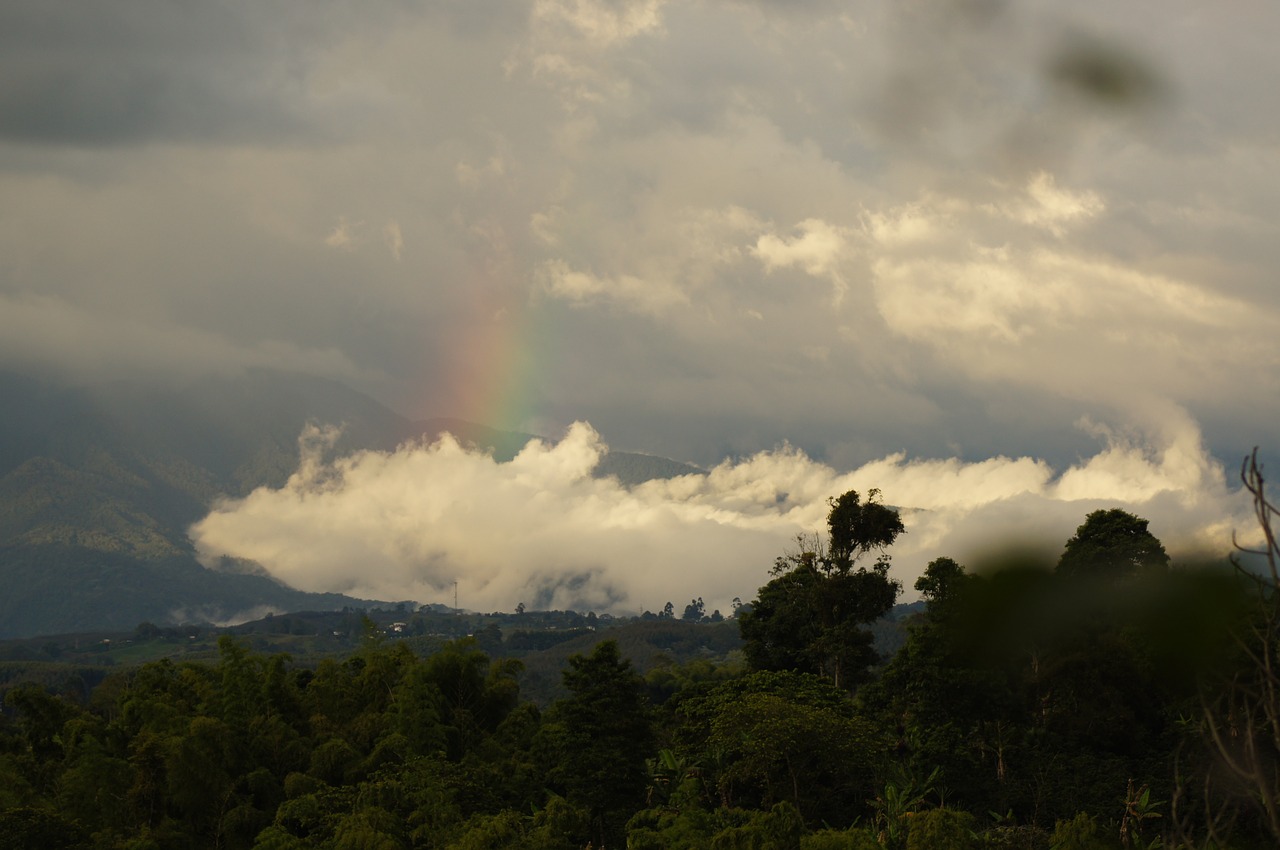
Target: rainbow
495 358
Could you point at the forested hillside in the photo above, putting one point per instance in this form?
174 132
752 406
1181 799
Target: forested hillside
1110 700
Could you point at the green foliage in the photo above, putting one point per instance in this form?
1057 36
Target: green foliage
491 832
667 680
831 839
275 838
370 828
773 748
666 828
779 828
554 827
1007 836
771 736
1027 691
1042 693
857 528
675 781
29 827
942 582
594 743
812 616
901 799
942 829
1077 833
814 621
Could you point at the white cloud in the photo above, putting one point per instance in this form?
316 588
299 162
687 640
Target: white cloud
472 176
393 238
540 529
986 298
816 249
819 250
670 260
646 296
601 23
1054 208
1000 302
345 234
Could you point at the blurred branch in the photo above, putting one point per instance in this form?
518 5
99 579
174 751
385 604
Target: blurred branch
1240 723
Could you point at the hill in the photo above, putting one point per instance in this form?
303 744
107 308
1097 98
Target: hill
98 487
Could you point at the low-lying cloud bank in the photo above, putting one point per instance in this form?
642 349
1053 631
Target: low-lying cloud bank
541 530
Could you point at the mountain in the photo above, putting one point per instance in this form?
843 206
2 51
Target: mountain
98 487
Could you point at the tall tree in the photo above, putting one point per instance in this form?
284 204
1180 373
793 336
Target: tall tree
811 617
694 611
858 527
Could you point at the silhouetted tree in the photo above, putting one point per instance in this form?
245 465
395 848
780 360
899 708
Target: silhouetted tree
694 611
1112 543
811 616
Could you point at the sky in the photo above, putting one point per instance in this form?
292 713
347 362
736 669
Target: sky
1005 260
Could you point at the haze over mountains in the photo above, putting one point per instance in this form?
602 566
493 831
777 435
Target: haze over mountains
99 487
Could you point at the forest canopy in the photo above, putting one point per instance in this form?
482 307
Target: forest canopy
1027 709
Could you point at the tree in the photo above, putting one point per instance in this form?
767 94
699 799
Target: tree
476 694
694 611
856 528
811 616
775 747
941 582
1112 543
595 741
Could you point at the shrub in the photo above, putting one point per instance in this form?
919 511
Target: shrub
1079 833
832 839
941 829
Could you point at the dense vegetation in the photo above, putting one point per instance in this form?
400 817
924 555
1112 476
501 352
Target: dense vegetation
1106 701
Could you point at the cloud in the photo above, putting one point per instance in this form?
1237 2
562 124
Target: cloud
993 288
394 238
817 249
863 227
647 296
1054 208
136 73
49 333
345 234
671 261
601 23
540 529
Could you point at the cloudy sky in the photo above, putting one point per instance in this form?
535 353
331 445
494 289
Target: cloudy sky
1018 252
